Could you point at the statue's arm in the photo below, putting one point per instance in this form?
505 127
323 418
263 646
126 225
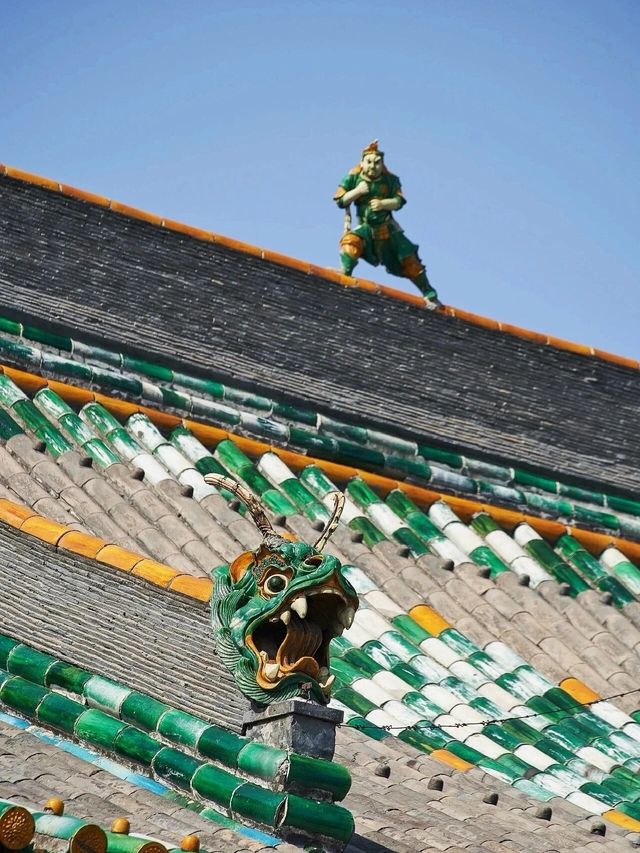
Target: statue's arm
350 189
395 202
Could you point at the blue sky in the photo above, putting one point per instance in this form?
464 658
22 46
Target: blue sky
513 125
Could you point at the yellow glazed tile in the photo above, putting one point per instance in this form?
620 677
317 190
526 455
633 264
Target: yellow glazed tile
119 558
429 619
156 573
452 760
199 588
44 528
579 691
81 543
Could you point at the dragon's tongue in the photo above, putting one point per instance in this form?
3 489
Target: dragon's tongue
302 640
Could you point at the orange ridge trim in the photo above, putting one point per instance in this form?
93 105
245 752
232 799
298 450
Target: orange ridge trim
465 507
305 266
64 538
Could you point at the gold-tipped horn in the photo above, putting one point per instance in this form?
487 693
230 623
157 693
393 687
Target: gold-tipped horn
253 504
338 506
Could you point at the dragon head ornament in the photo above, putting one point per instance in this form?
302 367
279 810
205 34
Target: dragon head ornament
276 609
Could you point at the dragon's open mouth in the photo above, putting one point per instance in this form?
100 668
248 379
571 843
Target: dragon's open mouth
295 639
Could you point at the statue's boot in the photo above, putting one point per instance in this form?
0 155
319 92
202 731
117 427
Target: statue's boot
348 263
424 286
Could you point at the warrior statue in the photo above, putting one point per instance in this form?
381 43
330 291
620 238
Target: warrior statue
378 238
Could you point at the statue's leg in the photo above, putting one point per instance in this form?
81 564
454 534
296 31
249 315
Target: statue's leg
413 268
351 249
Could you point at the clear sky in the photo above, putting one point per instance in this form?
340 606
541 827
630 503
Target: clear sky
513 124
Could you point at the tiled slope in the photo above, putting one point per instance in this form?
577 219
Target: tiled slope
95 268
307 431
34 768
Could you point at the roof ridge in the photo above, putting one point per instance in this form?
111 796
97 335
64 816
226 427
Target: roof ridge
465 507
307 267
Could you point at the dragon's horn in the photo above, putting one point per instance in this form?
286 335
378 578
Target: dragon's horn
338 506
253 504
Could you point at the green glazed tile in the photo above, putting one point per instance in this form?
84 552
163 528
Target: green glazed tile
66 367
369 729
577 494
100 418
297 493
275 501
10 326
594 518
257 804
221 745
484 556
215 784
344 672
93 353
400 503
622 789
501 736
49 338
137 746
59 712
423 526
632 507
180 727
55 826
175 399
546 708
29 663
316 481
349 453
432 737
21 695
360 660
8 427
465 752
257 483
175 767
620 595
409 675
458 642
412 631
398 644
420 740
605 795
30 415
551 747
155 371
261 760
196 383
6 647
524 478
552 506
210 465
407 537
319 774
293 413
379 653
247 398
67 676
370 533
415 468
421 705
10 394
356 701
100 452
217 412
435 454
321 818
555 565
75 427
521 730
142 710
97 728
562 699
51 403
483 524
23 353
109 379
317 445
360 493
339 429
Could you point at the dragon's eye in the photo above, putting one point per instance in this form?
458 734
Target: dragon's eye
275 584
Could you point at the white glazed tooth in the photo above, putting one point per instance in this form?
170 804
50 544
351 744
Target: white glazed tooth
286 616
271 671
346 616
264 656
328 683
300 606
323 674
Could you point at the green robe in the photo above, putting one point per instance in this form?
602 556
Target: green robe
384 240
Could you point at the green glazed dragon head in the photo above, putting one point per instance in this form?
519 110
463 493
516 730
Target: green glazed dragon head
276 609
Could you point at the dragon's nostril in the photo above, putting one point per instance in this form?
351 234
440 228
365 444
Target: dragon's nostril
313 562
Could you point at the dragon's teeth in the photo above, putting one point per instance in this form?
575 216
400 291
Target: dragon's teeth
328 683
300 606
271 671
323 674
286 616
338 628
346 616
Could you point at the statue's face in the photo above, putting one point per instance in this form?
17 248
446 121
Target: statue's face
371 166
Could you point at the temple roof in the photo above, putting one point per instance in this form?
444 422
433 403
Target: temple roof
491 530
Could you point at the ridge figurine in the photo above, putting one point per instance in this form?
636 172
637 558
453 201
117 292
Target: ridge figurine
378 238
